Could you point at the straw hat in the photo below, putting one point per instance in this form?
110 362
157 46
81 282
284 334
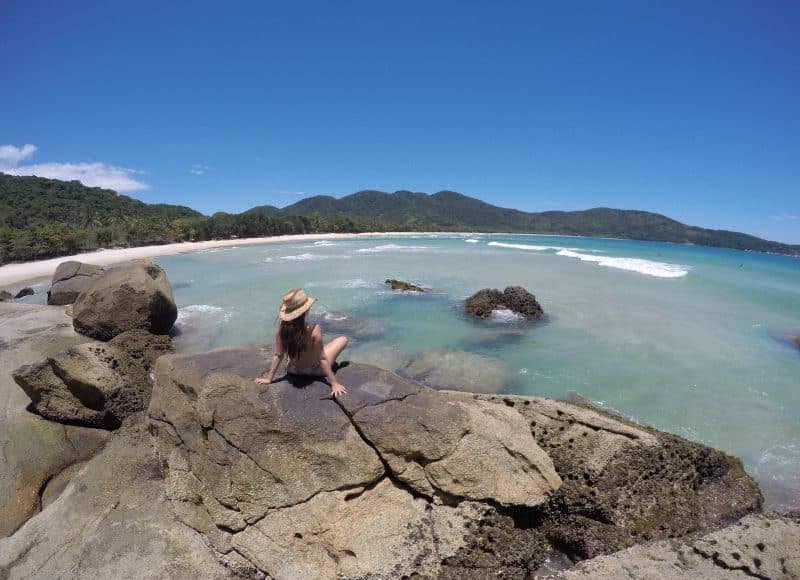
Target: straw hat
295 304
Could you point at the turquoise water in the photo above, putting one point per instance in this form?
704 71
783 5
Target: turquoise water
689 339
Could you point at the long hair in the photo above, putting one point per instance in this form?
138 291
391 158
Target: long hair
294 334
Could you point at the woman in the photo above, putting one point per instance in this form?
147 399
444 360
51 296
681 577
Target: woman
303 344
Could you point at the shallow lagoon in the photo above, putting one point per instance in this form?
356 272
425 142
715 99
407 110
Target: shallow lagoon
691 340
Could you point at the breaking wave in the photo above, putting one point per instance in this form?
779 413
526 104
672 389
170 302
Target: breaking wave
647 267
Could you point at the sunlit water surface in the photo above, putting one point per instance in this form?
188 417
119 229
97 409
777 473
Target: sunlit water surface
691 340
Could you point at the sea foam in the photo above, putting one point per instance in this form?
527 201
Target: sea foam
524 246
647 267
392 248
506 316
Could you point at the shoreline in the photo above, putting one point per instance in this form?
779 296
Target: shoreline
22 273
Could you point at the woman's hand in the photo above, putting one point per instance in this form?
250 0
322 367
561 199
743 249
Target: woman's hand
337 389
262 381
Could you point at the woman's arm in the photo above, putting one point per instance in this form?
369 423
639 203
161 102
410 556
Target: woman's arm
337 388
277 357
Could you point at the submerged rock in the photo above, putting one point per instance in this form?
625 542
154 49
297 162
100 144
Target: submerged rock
292 480
94 384
444 368
27 291
69 280
797 341
403 286
136 296
514 298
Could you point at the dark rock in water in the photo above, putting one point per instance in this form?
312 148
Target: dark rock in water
625 483
797 341
27 291
95 384
300 485
69 280
136 296
333 323
513 298
404 286
5 296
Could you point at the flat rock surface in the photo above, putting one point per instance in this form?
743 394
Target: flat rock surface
111 520
758 546
33 449
290 480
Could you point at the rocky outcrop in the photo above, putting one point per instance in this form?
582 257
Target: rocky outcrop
27 291
95 384
110 520
69 280
446 368
135 296
403 286
758 546
514 298
626 483
5 296
290 480
33 450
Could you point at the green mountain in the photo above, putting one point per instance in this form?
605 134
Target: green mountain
42 218
451 211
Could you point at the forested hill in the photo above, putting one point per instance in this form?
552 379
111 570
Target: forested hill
42 218
448 210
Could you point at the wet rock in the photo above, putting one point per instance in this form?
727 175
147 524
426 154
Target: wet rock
797 341
760 546
626 483
5 296
336 323
136 296
403 286
514 298
69 280
444 368
94 384
27 291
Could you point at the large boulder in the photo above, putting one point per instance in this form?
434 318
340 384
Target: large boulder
758 546
95 384
626 483
69 280
135 296
33 449
445 446
515 299
291 480
447 368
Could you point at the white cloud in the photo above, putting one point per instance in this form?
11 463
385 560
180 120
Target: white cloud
92 174
96 174
784 217
199 169
11 156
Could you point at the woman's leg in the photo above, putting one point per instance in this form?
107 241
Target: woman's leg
334 348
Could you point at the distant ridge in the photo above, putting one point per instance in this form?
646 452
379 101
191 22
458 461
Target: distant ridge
452 211
42 218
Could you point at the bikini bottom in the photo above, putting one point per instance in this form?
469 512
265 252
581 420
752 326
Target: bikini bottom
315 370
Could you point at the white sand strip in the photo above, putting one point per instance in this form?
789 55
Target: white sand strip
15 274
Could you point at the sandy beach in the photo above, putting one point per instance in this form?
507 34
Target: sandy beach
21 273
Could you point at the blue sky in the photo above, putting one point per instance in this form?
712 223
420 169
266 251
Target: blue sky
687 108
